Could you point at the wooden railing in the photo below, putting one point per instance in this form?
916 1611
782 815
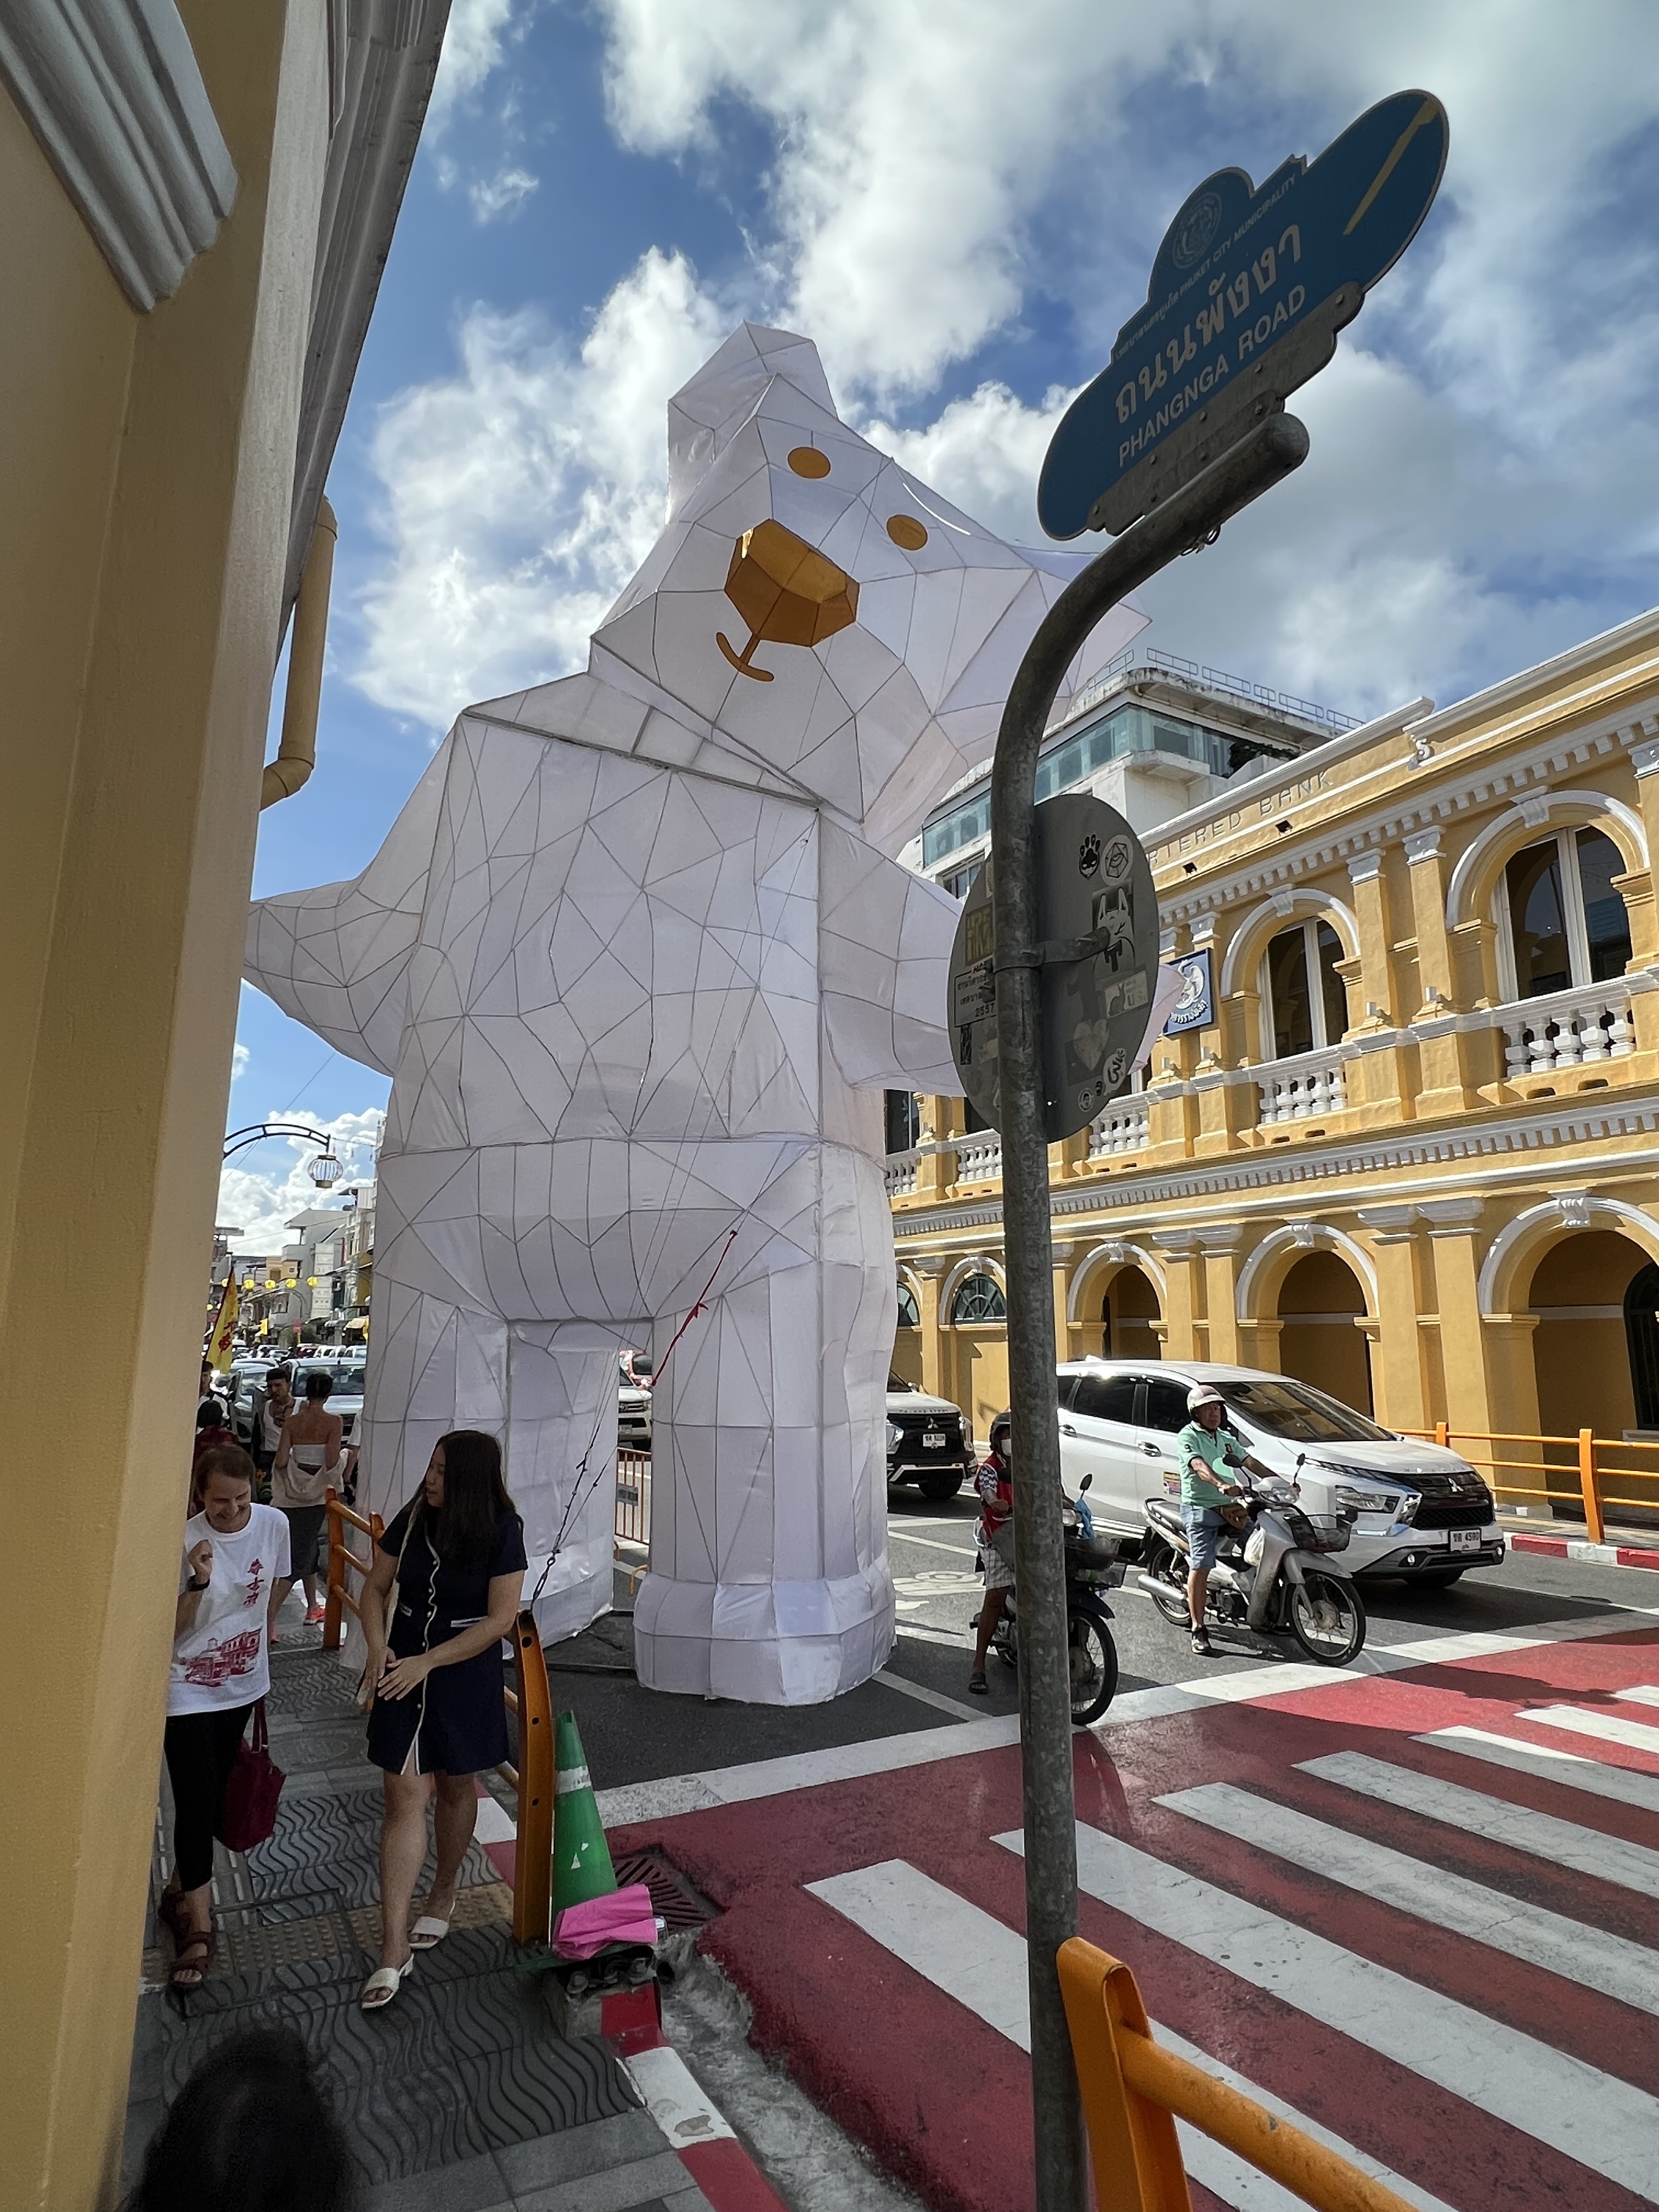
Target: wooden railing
1134 2091
529 1703
1579 1463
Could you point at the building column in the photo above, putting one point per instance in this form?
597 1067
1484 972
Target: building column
148 465
1448 1074
1475 1403
1063 1255
929 1274
1220 1250
1375 1083
1402 1398
1182 1295
1639 895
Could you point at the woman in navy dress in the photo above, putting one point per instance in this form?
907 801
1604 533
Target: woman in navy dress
451 1564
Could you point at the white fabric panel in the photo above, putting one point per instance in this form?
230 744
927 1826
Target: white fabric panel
629 954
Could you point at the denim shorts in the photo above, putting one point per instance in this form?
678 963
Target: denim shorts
1204 1526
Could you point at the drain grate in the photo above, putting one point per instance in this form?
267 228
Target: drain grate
676 1905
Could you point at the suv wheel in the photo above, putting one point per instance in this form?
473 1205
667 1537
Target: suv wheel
942 1484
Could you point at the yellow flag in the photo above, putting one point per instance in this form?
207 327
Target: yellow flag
221 1345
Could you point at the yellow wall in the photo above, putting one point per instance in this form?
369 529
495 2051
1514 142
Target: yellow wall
978 1365
907 1355
148 463
1131 1299
1325 1348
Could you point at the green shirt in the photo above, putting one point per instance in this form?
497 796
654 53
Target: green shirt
1195 1441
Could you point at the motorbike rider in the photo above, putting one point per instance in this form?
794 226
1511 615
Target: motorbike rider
1208 1454
994 1535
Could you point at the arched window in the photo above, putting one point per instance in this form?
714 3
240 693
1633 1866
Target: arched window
1304 1004
903 1120
978 1298
1562 923
909 1313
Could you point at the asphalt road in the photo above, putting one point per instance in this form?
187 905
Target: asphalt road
632 1735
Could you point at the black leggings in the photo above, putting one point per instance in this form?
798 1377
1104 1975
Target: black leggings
200 1749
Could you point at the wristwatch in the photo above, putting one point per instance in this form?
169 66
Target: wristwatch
196 1586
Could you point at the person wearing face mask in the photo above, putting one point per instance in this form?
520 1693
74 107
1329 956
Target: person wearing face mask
234 1562
994 1535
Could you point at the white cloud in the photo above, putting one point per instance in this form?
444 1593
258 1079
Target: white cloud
1476 495
474 44
522 493
503 194
261 1199
239 1061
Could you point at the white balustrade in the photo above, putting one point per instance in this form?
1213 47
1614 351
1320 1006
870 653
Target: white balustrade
1301 1089
900 1168
1123 1129
979 1159
1572 1029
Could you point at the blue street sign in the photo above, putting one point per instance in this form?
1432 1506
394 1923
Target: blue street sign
1248 292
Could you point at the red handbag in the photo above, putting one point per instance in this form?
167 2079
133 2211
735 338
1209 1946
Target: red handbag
255 1785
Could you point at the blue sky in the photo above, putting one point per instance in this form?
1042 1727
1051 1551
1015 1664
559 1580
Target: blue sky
960 202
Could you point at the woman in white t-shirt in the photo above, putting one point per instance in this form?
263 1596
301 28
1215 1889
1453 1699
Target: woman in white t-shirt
235 1561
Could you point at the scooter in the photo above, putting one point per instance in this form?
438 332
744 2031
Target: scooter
1275 1580
1092 1565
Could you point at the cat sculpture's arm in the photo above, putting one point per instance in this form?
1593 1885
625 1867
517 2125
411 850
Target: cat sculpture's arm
885 939
336 958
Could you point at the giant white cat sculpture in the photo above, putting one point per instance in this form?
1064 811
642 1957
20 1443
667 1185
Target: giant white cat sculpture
640 963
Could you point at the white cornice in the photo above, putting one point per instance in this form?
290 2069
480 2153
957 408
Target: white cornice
1262 1176
110 90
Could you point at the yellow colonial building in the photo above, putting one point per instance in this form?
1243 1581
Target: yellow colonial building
1404 1148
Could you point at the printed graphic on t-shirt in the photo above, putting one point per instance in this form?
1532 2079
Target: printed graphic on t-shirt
255 1583
219 1662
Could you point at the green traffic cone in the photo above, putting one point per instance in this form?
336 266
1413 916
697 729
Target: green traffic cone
581 1858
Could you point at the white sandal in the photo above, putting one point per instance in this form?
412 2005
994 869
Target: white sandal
427 1931
384 1983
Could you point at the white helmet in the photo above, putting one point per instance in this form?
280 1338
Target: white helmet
1203 1394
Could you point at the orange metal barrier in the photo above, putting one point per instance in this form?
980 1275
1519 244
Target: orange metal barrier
531 1705
1580 1460
1134 2091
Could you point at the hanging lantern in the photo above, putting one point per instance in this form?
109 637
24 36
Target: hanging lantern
326 1170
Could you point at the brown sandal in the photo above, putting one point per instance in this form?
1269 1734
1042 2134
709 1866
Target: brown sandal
189 1973
171 1914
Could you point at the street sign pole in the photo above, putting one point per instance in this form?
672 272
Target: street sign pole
1181 523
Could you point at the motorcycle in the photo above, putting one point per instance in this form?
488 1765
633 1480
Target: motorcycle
1092 1565
1275 1580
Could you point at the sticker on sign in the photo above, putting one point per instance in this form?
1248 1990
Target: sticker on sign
1097 916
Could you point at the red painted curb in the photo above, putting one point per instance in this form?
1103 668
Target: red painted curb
730 2179
1559 1547
718 2163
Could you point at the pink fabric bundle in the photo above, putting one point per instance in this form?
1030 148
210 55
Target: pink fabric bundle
625 1917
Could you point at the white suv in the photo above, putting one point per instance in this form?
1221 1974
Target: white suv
1421 1512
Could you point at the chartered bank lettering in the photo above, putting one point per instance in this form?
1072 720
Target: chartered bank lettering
1272 804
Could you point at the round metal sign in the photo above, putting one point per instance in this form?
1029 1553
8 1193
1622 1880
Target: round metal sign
1097 919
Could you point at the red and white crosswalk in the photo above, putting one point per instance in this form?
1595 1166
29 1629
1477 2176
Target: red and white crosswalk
1417 1914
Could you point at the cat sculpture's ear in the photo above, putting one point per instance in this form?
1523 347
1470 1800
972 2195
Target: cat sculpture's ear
706 413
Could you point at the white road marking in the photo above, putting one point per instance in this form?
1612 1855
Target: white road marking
1559 2100
981 1962
1606 1728
1640 1693
1564 1843
1582 1954
1623 1784
772 1778
918 1631
929 1543
925 1696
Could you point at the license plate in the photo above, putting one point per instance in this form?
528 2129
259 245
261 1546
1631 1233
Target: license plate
932 1439
1466 1540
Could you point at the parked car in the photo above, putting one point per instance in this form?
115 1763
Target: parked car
636 1368
248 1378
633 1409
1420 1512
929 1442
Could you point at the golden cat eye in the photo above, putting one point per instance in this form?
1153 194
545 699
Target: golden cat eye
808 461
904 530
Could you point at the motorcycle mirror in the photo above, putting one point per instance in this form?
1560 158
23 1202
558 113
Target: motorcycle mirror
1083 1485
